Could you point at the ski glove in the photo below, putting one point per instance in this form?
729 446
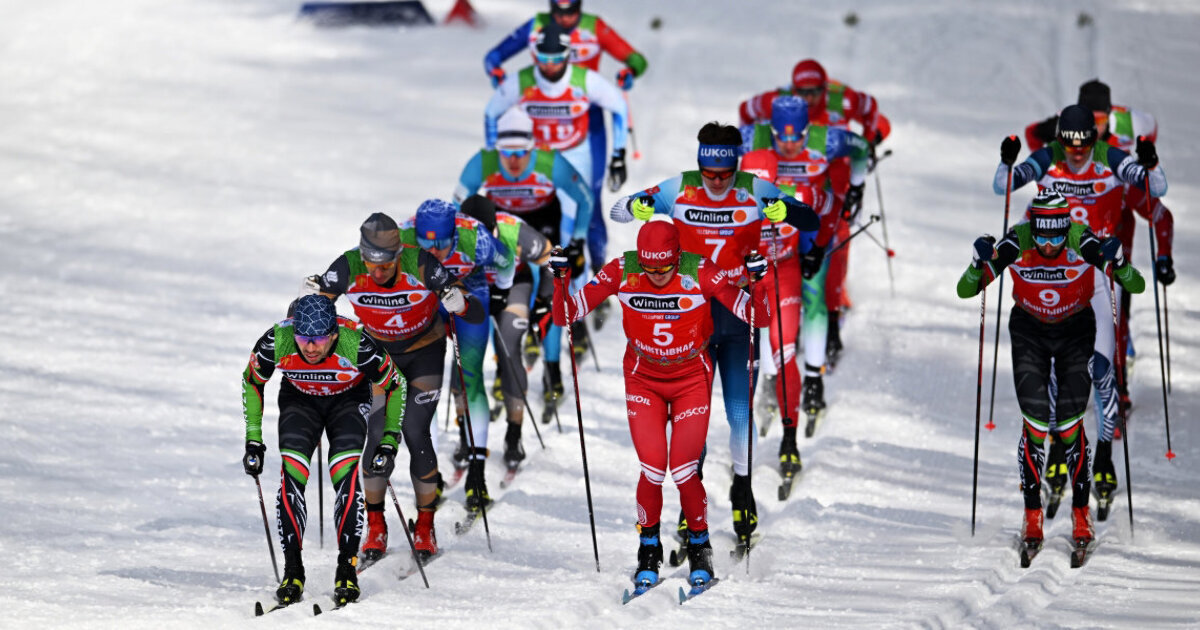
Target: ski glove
496 75
775 211
1046 129
1164 270
574 254
1009 149
310 286
1112 251
625 79
756 266
559 262
616 170
853 203
1147 156
497 300
985 249
539 319
454 301
383 461
252 461
811 261
642 208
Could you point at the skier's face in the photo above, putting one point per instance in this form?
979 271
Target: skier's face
718 181
552 66
812 95
515 161
789 149
568 20
381 273
1101 118
1050 246
315 349
1078 157
660 276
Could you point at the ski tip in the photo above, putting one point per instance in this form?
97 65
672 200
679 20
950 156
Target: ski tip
258 609
625 597
682 596
316 609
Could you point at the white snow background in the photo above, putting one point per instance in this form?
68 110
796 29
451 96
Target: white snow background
169 171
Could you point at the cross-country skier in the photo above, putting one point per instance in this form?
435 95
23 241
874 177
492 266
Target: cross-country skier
718 210
542 188
590 37
664 293
395 293
1052 327
1091 175
526 251
465 247
328 368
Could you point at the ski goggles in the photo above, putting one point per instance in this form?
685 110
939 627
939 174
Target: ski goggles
718 176
549 59
320 340
787 137
809 91
379 265
661 269
513 153
1053 241
435 243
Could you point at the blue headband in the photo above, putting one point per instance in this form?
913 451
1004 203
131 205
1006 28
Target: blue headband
717 156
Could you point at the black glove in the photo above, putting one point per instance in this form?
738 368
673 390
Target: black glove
853 202
574 254
252 461
1147 156
1045 130
985 248
559 263
539 319
498 300
384 460
1009 149
810 263
756 266
1164 270
616 170
1113 251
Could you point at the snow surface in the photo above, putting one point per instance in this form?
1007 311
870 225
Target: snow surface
172 170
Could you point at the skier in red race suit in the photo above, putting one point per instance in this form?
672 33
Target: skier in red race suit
668 374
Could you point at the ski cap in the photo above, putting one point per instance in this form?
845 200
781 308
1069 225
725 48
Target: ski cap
763 163
435 220
514 130
1049 214
658 244
380 240
552 40
789 117
808 74
1076 127
1095 96
559 7
481 209
315 315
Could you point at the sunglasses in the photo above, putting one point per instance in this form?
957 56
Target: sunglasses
812 91
1053 241
513 153
719 176
435 243
379 265
787 137
549 59
307 339
658 270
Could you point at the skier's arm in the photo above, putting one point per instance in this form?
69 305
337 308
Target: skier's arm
572 308
335 280
603 93
1108 256
615 45
569 181
516 41
1159 216
1130 172
865 109
976 278
470 180
378 368
757 108
254 380
716 286
842 143
505 96
1030 170
435 276
621 211
533 247
1041 133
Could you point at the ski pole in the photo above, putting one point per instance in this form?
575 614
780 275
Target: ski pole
750 419
978 405
321 489
592 339
412 546
267 528
883 221
999 304
504 349
1162 361
860 230
637 155
470 432
783 344
883 156
1167 334
1112 296
587 482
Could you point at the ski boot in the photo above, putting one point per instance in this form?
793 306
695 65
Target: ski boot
1082 534
345 580
462 453
514 453
1057 475
650 558
532 349
833 340
677 555
425 537
745 512
497 397
374 544
1031 535
552 390
477 494
582 342
291 588
767 404
1104 479
699 555
813 402
789 453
